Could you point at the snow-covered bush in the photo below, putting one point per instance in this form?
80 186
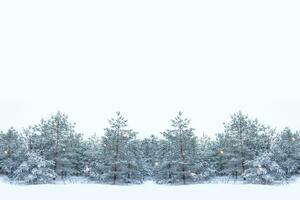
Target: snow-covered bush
34 170
263 170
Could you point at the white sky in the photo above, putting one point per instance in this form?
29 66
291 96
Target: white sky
149 59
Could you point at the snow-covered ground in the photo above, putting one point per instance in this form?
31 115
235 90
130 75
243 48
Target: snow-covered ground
148 190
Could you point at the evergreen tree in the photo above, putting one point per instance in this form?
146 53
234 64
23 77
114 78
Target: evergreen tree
241 143
93 155
266 140
246 149
164 171
56 140
74 155
286 150
263 170
149 149
178 154
205 163
34 170
220 157
135 163
121 161
12 151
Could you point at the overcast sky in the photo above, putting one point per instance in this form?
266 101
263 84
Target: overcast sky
149 59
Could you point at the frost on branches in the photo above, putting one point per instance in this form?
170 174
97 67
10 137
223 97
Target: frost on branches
34 170
121 158
263 170
246 150
180 160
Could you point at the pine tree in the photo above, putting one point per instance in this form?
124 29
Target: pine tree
220 157
286 150
241 143
246 149
149 149
56 140
134 169
121 157
205 163
35 169
164 171
178 153
12 151
93 158
263 170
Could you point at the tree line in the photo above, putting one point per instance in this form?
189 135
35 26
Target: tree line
246 150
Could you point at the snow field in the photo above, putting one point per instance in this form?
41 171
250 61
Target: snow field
149 190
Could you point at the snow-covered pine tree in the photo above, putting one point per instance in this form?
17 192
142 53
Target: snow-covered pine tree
205 163
265 140
135 163
35 169
12 151
149 149
56 140
120 161
178 154
74 154
241 143
286 151
93 158
220 157
263 170
164 171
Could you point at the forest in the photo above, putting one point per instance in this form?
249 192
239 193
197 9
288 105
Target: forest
246 150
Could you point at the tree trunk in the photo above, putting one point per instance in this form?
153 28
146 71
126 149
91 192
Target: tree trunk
56 146
170 175
242 148
116 158
182 158
183 167
129 172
